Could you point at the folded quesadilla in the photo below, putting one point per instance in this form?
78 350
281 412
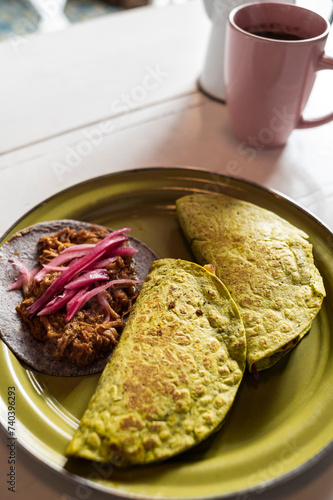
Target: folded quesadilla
173 376
265 262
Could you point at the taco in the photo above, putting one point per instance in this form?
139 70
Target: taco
266 264
174 375
74 330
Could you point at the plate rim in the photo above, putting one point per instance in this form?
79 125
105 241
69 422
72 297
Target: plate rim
271 191
262 486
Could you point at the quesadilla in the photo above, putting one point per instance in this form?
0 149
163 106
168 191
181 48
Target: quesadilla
77 341
173 376
265 262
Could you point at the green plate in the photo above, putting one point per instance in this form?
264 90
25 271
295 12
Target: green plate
278 426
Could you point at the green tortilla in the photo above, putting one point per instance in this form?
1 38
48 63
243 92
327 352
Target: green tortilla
173 376
266 264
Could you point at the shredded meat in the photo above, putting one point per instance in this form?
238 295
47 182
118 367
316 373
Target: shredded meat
85 338
51 245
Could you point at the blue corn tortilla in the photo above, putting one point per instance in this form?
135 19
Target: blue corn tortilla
13 332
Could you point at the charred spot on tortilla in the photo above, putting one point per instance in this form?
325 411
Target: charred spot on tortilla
15 332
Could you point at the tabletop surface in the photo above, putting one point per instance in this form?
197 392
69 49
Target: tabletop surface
119 93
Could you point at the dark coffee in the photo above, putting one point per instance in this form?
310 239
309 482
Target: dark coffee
277 35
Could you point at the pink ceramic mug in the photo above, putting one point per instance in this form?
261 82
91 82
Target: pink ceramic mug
273 51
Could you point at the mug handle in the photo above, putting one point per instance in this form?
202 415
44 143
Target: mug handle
325 62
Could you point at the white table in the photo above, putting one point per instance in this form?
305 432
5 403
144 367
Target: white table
73 101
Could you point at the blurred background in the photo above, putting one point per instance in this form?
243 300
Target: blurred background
24 17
